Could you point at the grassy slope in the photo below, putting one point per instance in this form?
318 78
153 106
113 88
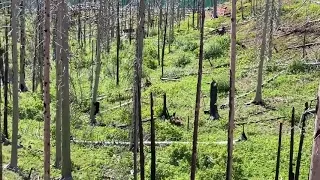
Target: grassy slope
254 159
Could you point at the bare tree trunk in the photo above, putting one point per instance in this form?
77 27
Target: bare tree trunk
79 22
232 89
118 42
15 116
159 29
197 107
215 4
164 40
153 140
258 97
314 173
65 128
34 66
193 12
97 72
171 35
278 20
46 90
58 87
137 91
23 87
40 51
6 73
270 45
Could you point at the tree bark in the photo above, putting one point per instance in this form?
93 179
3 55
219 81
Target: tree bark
164 40
137 90
46 90
58 87
258 96
15 116
270 45
118 41
215 4
23 87
5 91
315 156
65 128
153 140
232 90
97 71
197 106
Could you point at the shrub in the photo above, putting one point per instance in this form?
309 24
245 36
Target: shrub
153 32
298 67
182 61
212 51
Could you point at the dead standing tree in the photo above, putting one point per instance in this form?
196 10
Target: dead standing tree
232 90
197 107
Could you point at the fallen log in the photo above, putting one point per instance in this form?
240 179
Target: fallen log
171 79
306 45
146 143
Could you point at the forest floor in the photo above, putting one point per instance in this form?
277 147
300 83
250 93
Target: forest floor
289 82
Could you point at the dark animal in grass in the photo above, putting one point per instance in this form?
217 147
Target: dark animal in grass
221 31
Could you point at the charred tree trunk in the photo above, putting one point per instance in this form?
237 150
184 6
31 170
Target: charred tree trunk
197 106
291 174
153 140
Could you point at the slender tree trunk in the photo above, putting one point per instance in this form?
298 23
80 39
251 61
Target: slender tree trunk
164 40
291 175
118 41
314 173
215 4
193 12
41 55
296 176
153 139
65 128
278 154
23 87
79 22
46 90
171 35
58 87
270 45
258 97
197 106
6 74
97 72
34 66
159 30
232 90
137 90
278 20
130 23
15 116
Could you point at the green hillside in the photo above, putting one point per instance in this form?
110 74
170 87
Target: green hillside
289 82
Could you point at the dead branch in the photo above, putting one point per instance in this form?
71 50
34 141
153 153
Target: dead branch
171 79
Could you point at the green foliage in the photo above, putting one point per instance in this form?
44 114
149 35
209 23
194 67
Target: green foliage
298 67
167 131
215 47
182 60
31 108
